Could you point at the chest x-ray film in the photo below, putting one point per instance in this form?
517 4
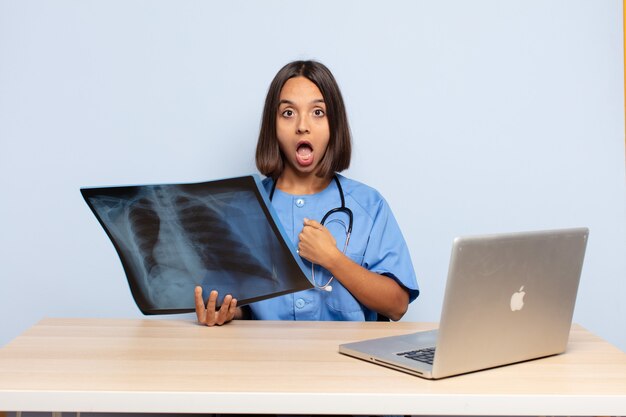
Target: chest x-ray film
222 235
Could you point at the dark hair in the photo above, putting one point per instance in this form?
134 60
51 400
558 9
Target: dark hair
269 159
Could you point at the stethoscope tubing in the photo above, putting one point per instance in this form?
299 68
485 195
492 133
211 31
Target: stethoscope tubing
342 209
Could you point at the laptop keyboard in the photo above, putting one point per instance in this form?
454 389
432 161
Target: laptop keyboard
425 355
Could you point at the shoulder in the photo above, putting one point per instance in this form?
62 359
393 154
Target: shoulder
363 195
357 188
267 183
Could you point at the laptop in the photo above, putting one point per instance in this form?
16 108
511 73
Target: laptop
509 298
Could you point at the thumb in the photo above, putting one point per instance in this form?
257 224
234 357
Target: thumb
312 223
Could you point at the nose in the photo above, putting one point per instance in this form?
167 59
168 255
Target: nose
303 125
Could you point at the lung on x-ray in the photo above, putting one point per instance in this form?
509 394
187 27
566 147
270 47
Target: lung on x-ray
222 235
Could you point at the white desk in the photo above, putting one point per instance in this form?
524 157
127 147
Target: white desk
283 368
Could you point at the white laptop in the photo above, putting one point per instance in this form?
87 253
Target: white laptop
509 298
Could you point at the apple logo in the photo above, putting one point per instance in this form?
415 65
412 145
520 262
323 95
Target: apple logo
517 299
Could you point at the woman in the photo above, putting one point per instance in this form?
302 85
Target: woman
303 143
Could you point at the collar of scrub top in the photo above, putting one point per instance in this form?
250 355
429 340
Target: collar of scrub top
342 209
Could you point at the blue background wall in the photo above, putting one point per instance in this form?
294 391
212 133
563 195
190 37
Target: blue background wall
470 117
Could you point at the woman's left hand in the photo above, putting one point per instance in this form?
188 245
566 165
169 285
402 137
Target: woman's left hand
317 244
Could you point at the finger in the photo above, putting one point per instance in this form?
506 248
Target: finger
222 315
314 230
312 223
200 307
233 308
302 249
210 309
307 235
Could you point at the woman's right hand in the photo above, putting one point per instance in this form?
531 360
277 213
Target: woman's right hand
208 315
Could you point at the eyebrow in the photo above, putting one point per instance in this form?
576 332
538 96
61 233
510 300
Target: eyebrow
284 101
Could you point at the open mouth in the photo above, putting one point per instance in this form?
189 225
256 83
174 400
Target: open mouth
304 153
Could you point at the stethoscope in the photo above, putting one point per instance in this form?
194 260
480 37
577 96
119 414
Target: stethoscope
348 229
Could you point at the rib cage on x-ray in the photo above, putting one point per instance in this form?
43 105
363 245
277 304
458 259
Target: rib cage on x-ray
173 237
158 218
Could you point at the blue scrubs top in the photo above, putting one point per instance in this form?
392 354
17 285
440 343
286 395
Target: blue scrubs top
376 244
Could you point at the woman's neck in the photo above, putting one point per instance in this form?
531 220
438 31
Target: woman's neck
301 184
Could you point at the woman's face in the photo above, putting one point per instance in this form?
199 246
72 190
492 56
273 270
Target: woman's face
301 125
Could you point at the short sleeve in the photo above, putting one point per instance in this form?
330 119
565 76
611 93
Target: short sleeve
387 253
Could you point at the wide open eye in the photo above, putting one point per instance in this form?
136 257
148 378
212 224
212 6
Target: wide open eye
287 113
319 113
